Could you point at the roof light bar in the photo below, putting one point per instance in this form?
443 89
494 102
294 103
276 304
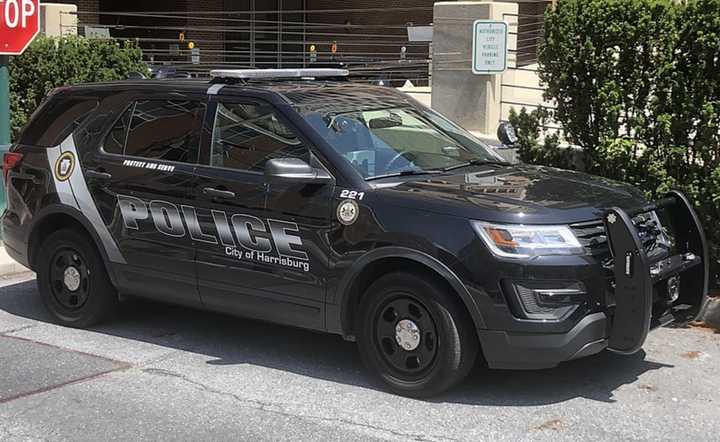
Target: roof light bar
257 74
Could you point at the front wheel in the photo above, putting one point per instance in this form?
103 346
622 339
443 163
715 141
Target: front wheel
416 335
72 280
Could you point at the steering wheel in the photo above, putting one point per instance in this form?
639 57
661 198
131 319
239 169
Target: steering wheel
391 163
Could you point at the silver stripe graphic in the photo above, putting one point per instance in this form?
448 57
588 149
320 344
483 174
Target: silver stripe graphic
83 201
215 89
61 187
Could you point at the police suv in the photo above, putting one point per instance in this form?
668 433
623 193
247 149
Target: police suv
298 197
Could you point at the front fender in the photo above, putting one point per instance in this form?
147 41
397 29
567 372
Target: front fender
339 315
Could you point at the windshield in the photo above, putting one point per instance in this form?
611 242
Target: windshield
397 139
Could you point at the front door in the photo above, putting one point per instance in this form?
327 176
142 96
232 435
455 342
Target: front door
262 253
141 180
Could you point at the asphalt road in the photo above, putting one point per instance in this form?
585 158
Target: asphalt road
168 373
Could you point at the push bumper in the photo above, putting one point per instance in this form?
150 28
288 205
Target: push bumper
636 275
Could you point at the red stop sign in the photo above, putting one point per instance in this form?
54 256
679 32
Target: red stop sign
19 24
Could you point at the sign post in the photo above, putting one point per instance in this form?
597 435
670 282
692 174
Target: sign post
4 119
4 103
489 55
19 25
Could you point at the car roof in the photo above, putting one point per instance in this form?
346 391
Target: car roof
314 92
297 92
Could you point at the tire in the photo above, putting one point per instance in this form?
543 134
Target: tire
446 346
75 298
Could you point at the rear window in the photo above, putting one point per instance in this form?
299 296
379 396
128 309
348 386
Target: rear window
158 129
56 120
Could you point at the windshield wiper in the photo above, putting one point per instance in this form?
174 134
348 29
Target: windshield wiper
478 162
403 173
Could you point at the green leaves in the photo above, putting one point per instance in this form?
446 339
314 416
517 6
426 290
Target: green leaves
52 62
637 87
529 126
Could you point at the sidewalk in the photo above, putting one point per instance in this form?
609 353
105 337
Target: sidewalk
8 266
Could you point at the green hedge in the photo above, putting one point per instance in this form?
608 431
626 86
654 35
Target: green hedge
53 62
637 88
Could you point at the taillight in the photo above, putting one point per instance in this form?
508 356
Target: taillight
11 160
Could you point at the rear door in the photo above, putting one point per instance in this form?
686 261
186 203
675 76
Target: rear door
142 180
263 253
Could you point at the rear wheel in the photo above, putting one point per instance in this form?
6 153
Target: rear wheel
415 335
73 282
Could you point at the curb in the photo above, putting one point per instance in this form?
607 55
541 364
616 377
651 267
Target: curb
8 270
711 313
8 267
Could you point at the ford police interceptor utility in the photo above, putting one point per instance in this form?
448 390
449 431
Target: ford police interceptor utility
298 197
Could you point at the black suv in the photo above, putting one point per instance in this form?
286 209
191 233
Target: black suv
297 197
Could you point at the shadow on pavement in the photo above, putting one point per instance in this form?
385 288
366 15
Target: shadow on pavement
228 340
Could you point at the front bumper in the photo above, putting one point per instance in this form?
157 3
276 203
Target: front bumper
622 327
524 351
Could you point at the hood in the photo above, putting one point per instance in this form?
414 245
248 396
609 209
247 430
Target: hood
517 194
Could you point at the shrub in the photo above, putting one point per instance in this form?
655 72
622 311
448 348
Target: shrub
637 88
52 62
530 128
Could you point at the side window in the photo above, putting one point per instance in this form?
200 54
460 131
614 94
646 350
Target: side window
246 136
159 129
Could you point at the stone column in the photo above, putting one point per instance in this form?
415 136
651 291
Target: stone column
473 101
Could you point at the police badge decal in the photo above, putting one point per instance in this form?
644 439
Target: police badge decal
347 212
64 166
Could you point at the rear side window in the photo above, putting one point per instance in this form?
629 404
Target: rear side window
55 121
159 129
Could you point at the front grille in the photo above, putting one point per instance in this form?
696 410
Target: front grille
592 237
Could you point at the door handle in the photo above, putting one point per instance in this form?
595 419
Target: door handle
98 175
218 193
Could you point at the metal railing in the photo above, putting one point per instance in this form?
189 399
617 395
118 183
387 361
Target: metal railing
528 30
278 38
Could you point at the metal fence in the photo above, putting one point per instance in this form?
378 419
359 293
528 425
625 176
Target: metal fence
520 86
197 41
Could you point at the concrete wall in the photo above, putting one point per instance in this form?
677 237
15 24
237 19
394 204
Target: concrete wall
57 19
88 8
521 89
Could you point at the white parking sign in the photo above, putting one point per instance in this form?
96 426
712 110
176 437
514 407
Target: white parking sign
489 47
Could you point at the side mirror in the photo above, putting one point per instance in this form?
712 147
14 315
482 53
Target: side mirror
386 122
506 134
294 170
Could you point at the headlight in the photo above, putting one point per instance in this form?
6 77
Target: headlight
527 241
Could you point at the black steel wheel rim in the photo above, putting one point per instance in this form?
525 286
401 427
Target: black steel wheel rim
69 279
405 362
